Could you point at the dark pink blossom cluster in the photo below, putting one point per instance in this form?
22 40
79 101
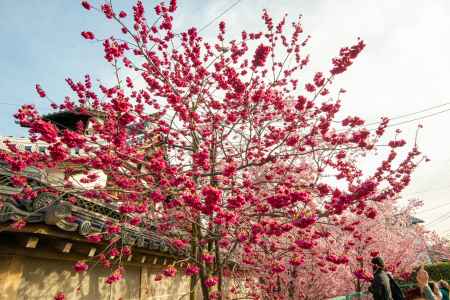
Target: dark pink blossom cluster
170 271
80 266
346 57
88 35
261 53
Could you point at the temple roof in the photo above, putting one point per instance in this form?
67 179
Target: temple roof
67 119
83 217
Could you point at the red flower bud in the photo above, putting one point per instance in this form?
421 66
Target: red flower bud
88 35
86 5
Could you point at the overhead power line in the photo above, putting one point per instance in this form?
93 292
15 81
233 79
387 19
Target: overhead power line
426 191
12 104
433 208
406 115
369 124
411 114
219 15
19 104
215 18
418 119
439 219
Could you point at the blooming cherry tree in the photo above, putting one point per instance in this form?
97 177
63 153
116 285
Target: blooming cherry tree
340 264
225 145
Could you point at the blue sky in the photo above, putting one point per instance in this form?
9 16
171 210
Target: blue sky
42 44
404 68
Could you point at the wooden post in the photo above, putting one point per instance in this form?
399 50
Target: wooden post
144 292
92 252
31 242
67 247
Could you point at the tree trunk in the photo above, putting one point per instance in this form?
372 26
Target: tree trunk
205 290
192 287
194 254
358 288
219 269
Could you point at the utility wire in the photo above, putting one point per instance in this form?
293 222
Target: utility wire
433 208
369 124
18 104
215 18
439 219
418 119
410 114
406 115
426 191
219 15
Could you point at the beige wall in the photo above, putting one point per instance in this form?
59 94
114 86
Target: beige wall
176 288
25 278
10 275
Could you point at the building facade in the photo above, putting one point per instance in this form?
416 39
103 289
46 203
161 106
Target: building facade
36 262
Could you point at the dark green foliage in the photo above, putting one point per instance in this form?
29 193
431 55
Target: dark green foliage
439 271
436 271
